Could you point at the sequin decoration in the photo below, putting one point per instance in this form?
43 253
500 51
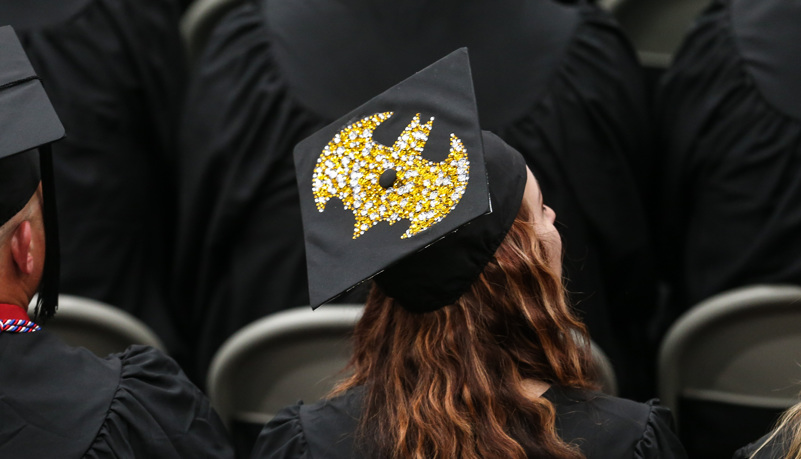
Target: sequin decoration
424 192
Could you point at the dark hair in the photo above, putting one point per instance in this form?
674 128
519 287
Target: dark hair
449 383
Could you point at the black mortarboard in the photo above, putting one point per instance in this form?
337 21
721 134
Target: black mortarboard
398 189
28 124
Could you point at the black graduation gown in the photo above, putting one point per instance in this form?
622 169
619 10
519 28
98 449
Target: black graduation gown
775 449
603 427
730 110
61 401
113 70
559 83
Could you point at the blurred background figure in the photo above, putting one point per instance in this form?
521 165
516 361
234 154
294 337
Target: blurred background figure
557 81
730 113
58 400
114 71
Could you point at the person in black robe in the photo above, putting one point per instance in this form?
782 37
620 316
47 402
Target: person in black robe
558 82
730 113
60 401
466 347
115 72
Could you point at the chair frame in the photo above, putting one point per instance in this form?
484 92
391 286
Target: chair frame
103 316
728 306
272 328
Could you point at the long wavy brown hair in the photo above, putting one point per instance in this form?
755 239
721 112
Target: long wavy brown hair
450 383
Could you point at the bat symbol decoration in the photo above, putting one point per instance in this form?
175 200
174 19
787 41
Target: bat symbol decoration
380 183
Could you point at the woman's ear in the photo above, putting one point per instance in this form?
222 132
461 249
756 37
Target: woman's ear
21 248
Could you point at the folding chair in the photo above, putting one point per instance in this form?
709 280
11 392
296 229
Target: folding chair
97 326
604 371
298 354
730 364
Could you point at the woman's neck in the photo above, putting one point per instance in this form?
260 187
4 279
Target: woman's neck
534 388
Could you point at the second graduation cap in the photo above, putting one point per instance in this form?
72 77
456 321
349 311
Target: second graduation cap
396 189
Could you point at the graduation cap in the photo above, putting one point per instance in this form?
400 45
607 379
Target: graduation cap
28 124
408 190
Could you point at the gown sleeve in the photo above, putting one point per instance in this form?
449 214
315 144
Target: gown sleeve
283 437
774 448
157 413
658 439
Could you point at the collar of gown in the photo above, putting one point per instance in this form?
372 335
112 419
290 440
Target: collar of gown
12 312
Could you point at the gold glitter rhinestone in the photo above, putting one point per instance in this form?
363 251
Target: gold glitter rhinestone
424 192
